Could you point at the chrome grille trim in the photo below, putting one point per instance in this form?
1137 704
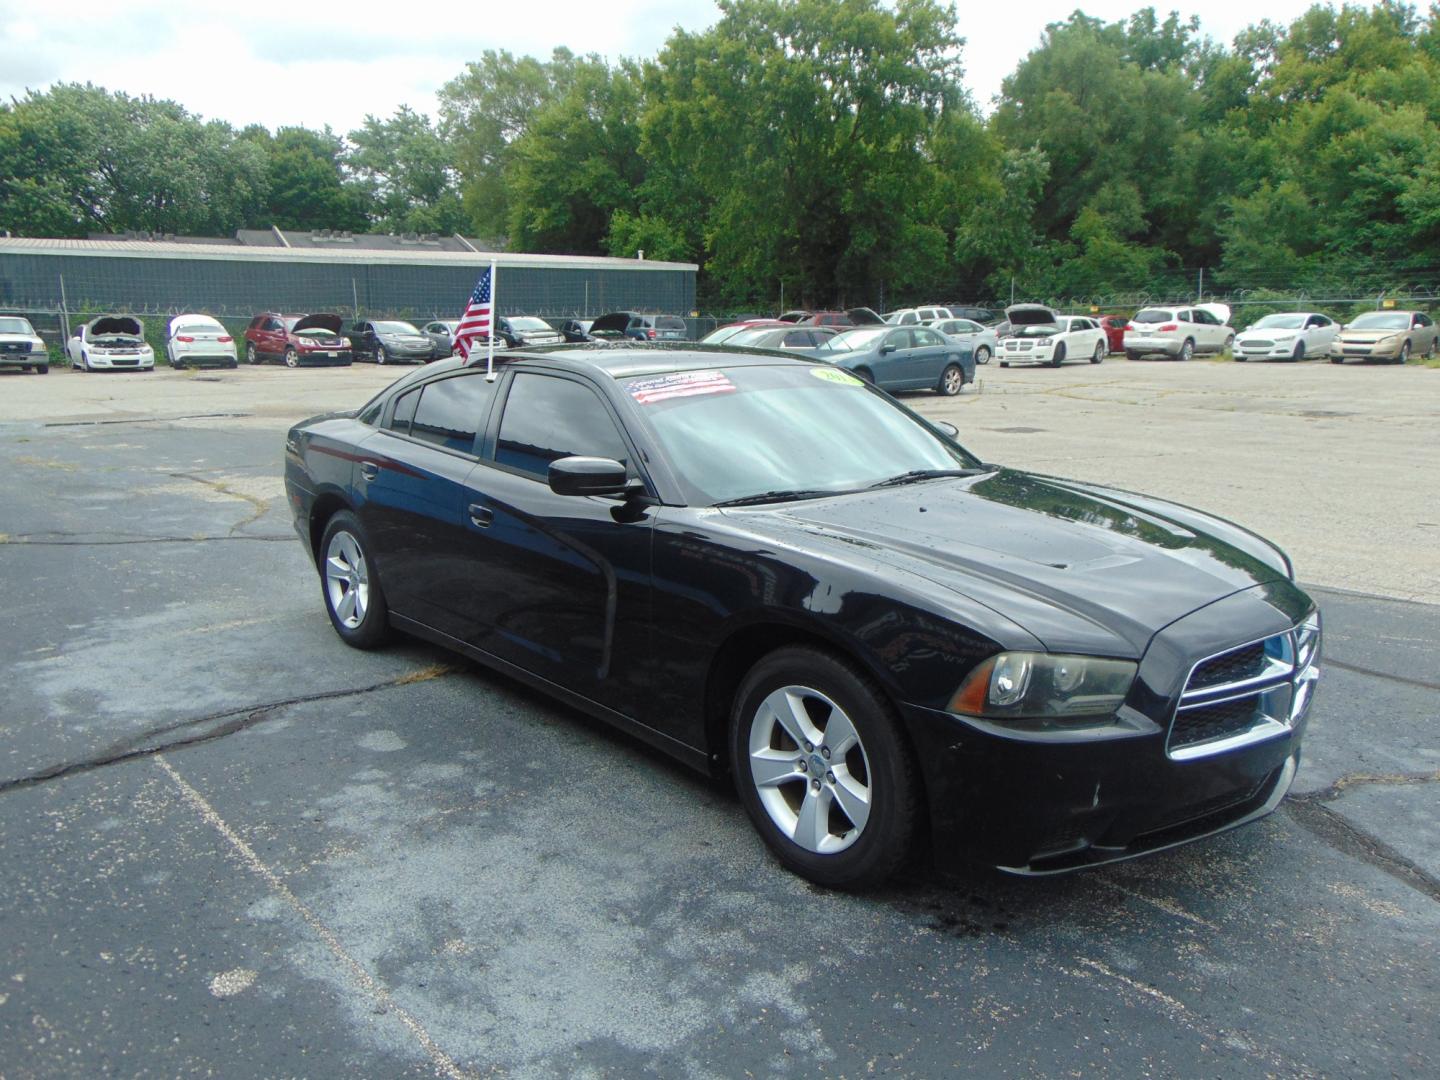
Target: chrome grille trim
1281 693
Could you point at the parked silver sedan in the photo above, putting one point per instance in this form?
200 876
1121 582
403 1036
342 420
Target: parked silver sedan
982 339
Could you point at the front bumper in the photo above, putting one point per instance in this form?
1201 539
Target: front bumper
12 359
1269 350
1364 350
133 362
1044 804
323 357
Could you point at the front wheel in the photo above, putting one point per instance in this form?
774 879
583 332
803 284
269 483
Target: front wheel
251 356
1099 357
1337 359
353 597
1059 357
42 369
982 355
823 768
1299 351
865 374
381 356
951 380
292 358
1404 355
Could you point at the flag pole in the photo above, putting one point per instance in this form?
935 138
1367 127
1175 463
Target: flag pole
494 317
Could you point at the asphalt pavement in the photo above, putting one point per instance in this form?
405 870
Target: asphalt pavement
232 846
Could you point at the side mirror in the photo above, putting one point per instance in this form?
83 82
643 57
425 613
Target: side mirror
948 428
887 348
588 476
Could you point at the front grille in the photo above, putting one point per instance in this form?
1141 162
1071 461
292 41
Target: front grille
1257 344
1214 721
1242 695
15 347
1236 666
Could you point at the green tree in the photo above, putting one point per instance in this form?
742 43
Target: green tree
404 165
308 185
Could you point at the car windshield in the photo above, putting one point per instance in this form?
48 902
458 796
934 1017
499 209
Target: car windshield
1153 315
395 328
529 324
16 326
856 340
1382 320
743 432
1280 322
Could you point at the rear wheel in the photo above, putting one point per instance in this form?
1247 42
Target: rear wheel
353 596
43 369
1187 350
951 380
1059 357
292 359
982 355
823 768
1099 357
1131 354
1337 359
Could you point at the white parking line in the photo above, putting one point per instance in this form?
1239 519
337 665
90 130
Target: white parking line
444 1064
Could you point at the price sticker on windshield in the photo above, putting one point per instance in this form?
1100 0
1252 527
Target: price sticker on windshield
844 378
680 385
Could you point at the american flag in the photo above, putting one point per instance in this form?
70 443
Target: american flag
475 323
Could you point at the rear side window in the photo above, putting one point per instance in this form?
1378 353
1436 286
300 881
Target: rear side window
404 411
451 411
547 419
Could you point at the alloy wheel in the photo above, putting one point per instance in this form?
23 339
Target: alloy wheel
347 580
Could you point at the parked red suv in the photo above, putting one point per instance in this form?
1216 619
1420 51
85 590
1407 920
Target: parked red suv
296 339
1114 327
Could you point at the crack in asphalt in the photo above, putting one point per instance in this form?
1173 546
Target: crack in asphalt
1405 679
1310 811
227 722
260 505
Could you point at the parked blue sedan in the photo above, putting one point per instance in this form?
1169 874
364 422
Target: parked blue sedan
902 358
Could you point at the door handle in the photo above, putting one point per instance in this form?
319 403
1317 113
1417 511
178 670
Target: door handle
369 470
481 516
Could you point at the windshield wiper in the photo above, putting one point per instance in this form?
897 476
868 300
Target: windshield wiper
930 474
780 496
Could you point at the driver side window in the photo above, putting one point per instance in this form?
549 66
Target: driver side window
548 418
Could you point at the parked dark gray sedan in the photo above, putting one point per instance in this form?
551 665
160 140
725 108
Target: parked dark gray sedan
902 358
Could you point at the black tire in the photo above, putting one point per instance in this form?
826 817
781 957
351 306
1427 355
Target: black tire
1132 355
292 358
1059 357
1299 353
1004 363
251 356
1099 357
42 369
982 354
1403 357
372 628
1337 359
1229 344
381 356
952 380
25 369
881 764
233 365
1187 350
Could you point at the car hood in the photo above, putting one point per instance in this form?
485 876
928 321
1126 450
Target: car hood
1266 334
116 324
321 321
1080 568
1368 336
1031 315
27 338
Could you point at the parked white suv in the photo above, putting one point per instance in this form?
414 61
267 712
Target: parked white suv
1287 335
1036 339
1179 332
914 316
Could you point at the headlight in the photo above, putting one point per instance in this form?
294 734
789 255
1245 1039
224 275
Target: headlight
1388 340
1307 641
1033 688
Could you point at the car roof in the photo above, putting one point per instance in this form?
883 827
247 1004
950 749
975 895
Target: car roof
623 362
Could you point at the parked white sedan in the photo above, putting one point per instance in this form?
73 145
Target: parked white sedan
1179 332
110 342
1067 337
983 340
199 341
1287 335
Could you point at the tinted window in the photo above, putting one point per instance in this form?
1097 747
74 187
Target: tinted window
1422 320
798 339
925 336
1153 315
547 419
404 411
452 410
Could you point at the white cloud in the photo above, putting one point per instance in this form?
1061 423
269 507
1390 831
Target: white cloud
276 63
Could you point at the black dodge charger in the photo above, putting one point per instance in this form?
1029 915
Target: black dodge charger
763 565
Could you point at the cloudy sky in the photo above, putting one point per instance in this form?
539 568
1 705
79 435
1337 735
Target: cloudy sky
276 63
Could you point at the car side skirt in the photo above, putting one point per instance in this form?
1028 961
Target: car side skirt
683 752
